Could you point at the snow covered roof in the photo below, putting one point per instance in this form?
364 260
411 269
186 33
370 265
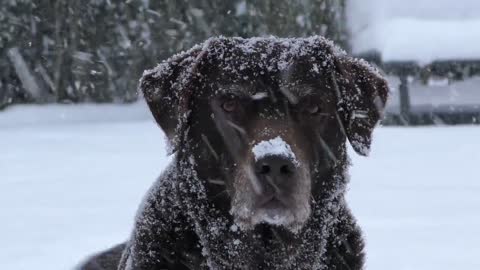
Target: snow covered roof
423 41
416 30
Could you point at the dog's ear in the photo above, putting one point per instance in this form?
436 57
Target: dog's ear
166 89
362 93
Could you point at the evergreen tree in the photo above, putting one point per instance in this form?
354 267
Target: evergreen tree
75 51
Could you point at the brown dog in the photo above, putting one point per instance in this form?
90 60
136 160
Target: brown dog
259 129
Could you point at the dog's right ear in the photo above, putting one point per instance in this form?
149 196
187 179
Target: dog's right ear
166 89
362 94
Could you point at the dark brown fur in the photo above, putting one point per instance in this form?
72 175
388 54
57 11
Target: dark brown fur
189 218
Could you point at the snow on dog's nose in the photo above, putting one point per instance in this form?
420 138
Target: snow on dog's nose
274 147
275 165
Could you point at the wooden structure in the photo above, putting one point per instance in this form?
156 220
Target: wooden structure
408 114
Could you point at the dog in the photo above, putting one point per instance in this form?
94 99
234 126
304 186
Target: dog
259 129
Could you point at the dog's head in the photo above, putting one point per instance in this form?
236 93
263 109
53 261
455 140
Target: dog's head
266 119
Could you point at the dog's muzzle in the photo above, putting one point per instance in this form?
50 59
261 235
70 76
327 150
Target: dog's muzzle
275 174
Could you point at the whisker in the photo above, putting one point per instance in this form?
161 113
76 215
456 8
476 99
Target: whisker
207 142
287 110
342 259
306 208
313 199
339 100
291 97
237 127
340 123
218 194
360 114
216 182
327 149
270 181
276 235
257 188
259 96
272 96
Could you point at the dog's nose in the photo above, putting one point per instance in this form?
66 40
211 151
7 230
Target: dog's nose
274 169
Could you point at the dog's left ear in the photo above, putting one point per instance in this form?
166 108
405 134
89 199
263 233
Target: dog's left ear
362 93
168 88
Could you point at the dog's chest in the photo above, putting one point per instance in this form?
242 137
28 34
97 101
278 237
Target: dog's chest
264 249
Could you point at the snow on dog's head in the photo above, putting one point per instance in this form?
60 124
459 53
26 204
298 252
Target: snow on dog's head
266 120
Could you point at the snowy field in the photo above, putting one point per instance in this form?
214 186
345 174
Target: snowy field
71 178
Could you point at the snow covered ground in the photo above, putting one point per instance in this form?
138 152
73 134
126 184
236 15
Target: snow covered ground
71 178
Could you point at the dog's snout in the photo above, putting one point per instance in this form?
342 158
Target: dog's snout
277 168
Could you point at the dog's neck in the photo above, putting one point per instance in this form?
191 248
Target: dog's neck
265 247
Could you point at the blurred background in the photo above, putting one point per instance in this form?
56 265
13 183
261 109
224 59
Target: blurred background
75 51
78 147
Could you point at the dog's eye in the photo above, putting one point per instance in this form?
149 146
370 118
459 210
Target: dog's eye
229 105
